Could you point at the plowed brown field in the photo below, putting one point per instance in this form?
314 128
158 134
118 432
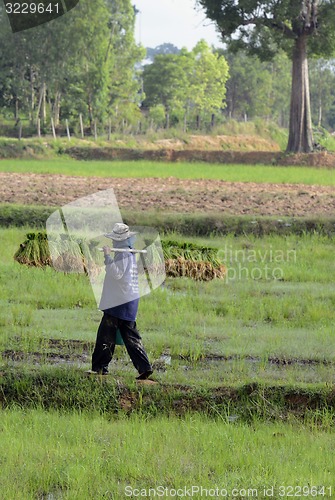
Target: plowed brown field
173 195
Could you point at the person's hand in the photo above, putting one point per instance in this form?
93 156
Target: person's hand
106 250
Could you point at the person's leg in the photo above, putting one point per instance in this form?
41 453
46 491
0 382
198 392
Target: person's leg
104 345
135 348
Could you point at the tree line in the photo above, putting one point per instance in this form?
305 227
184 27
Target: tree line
81 63
253 88
87 64
301 28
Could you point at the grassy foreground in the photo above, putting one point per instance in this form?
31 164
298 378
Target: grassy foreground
270 321
232 173
244 409
76 456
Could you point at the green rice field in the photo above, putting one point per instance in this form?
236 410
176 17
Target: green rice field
275 304
233 173
244 404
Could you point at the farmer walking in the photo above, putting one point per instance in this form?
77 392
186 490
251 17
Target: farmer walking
119 303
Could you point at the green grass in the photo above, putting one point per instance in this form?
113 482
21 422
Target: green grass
76 456
141 169
289 318
238 423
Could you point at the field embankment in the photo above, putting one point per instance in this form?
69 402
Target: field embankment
186 224
50 388
266 157
225 149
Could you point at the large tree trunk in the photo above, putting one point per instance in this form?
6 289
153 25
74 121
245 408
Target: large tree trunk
300 128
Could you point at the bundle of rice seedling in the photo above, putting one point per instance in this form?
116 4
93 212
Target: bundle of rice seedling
190 251
78 255
191 260
68 263
96 255
69 254
34 251
152 261
197 270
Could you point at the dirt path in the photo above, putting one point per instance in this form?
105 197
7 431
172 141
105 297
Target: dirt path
173 195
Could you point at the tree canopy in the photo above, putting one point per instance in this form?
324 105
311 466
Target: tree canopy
300 27
189 82
83 62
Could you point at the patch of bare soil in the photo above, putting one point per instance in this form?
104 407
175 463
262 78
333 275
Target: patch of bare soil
173 195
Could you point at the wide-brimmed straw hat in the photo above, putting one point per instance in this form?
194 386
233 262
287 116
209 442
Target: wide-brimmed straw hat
120 232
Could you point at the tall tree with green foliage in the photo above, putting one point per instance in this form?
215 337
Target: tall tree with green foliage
164 48
248 87
83 62
322 76
299 27
208 79
164 83
60 60
190 81
124 82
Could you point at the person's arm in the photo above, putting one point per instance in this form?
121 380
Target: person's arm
115 267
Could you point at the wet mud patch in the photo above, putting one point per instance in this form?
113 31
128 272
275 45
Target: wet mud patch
72 344
59 351
38 358
256 359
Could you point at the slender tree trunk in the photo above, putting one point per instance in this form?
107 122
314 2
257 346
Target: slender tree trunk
44 107
187 108
17 117
213 121
81 125
57 108
167 120
320 113
90 111
300 128
40 100
32 95
185 122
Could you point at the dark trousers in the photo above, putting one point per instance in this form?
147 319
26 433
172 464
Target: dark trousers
105 344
